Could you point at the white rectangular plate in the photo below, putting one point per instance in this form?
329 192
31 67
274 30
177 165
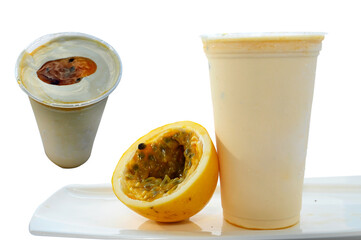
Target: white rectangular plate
331 209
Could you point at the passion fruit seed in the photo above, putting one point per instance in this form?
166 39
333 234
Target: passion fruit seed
66 71
141 155
135 167
141 146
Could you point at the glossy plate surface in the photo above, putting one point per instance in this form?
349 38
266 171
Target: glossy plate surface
331 209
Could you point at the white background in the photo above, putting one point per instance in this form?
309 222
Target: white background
165 79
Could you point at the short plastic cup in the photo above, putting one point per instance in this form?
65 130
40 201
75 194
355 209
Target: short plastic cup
262 89
68 130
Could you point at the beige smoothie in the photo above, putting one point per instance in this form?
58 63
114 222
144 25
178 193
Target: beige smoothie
262 87
68 77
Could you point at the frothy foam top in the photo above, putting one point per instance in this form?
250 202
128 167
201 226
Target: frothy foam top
88 89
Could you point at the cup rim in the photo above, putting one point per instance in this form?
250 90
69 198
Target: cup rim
261 36
46 38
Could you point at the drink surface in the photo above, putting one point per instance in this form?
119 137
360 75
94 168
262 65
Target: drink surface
89 88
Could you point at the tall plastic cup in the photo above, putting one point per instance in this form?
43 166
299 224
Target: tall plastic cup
68 116
262 88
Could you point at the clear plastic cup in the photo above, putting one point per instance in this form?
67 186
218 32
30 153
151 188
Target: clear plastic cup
67 127
262 89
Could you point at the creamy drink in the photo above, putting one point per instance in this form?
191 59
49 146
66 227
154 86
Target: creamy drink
262 88
68 78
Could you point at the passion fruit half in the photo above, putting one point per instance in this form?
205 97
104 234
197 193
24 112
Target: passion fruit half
169 174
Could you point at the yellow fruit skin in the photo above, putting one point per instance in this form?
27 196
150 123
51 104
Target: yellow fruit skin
191 201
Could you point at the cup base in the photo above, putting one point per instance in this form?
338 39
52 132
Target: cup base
259 224
67 163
